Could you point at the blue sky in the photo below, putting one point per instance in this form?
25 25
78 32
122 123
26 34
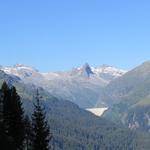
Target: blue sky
60 34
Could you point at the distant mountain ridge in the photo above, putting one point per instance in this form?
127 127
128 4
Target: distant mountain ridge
81 85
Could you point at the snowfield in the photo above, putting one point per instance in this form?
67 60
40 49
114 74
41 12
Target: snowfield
97 111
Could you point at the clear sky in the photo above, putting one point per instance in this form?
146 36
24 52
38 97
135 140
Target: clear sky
61 34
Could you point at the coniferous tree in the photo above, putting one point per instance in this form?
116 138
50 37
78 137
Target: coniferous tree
13 119
6 140
40 127
17 119
28 133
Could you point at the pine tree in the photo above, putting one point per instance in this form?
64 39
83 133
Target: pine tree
28 133
6 141
40 126
13 120
16 128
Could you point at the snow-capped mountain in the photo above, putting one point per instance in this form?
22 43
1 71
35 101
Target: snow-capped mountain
81 85
19 70
108 72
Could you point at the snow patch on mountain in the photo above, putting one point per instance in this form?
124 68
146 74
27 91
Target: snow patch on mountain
19 70
106 69
97 111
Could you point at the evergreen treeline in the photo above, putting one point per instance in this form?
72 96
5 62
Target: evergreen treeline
17 132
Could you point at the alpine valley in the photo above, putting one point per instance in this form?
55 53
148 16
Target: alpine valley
124 125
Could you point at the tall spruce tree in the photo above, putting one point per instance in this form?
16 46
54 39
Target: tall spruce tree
28 133
40 126
13 118
6 139
16 128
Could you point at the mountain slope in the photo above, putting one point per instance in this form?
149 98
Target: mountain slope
129 96
132 85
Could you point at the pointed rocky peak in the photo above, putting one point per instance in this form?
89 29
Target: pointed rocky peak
83 71
87 69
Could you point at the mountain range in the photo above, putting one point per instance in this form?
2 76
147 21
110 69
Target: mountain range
74 128
125 93
81 85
